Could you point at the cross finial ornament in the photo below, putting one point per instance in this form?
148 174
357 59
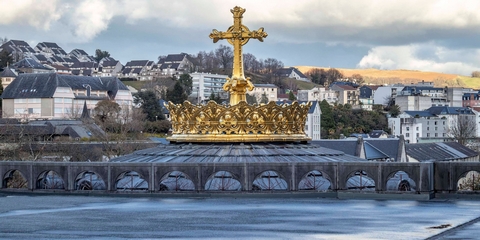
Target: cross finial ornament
238 35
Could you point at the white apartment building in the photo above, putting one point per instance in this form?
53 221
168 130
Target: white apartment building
204 84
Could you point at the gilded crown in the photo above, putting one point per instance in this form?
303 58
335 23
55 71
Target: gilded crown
239 123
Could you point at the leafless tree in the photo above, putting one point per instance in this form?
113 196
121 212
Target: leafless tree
463 128
225 55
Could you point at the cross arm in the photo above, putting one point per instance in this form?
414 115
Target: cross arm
219 35
260 34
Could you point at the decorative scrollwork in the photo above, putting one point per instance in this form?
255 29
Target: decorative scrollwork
241 122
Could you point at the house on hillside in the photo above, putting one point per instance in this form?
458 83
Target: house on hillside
138 69
291 72
84 68
57 96
177 64
18 49
109 69
50 49
81 55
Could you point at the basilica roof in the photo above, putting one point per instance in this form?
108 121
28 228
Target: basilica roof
237 153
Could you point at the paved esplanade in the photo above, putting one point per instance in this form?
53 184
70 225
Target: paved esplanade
59 217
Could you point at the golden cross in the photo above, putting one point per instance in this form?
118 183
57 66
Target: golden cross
238 35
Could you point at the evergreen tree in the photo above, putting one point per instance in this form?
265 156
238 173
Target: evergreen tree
215 97
251 99
177 95
185 81
291 96
264 98
99 55
150 105
5 59
327 121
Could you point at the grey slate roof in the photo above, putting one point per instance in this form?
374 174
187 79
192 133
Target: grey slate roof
169 65
388 146
79 52
41 57
109 63
237 153
175 57
29 63
84 65
348 146
7 72
268 85
376 148
448 151
419 113
44 85
442 110
136 63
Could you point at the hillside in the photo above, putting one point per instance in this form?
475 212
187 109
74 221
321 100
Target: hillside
377 77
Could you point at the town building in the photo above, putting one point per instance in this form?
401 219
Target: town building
18 49
431 125
139 70
109 68
81 55
291 72
318 94
7 76
366 97
58 96
347 94
176 64
204 84
268 90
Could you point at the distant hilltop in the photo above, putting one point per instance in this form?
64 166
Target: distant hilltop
379 77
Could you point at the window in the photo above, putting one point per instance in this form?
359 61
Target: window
417 128
428 128
435 122
408 128
418 135
436 128
436 134
428 134
407 135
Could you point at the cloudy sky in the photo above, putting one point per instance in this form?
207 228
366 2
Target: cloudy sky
440 36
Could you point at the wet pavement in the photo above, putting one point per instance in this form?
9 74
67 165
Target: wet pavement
83 217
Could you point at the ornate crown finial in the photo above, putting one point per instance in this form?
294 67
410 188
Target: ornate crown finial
238 122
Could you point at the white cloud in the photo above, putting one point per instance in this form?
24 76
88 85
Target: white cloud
29 13
441 59
297 21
